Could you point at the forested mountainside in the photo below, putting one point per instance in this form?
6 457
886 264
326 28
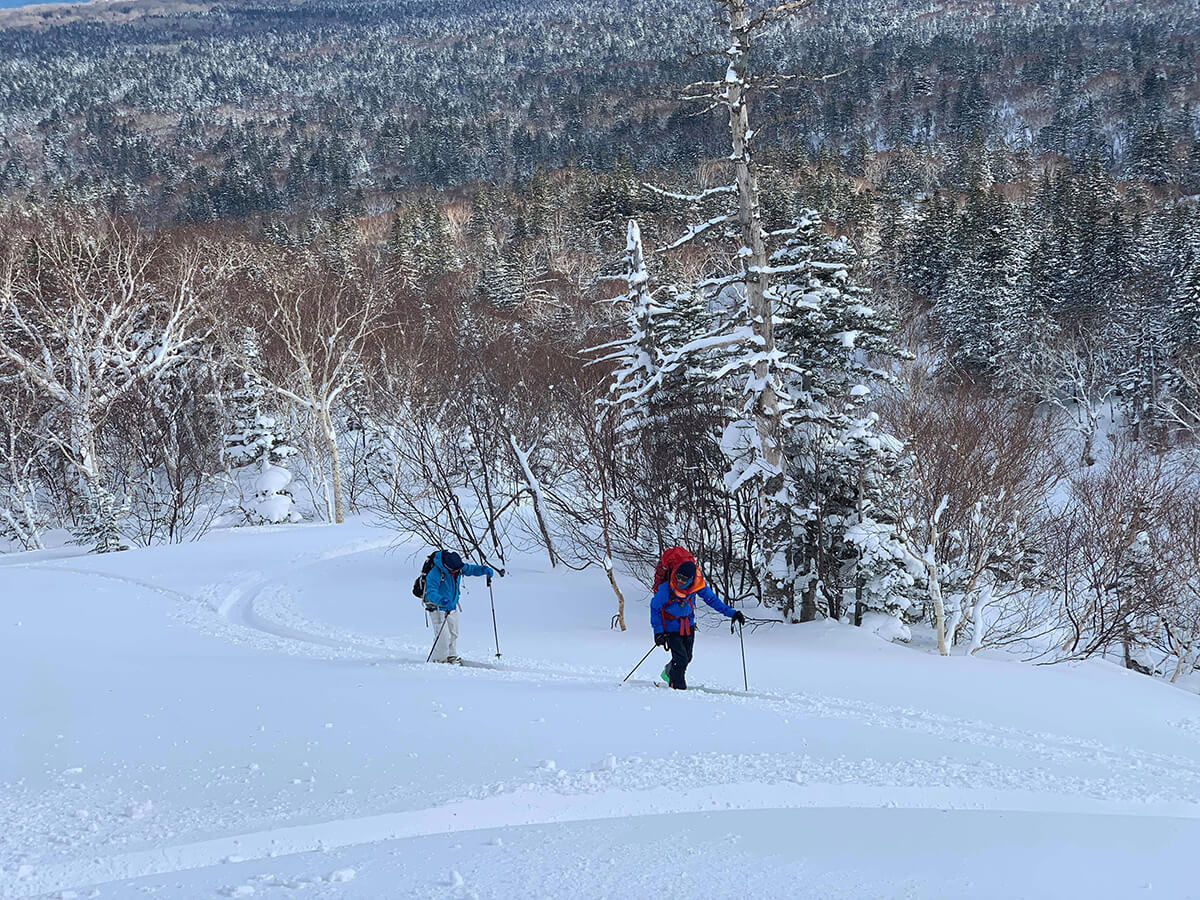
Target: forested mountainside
283 259
265 110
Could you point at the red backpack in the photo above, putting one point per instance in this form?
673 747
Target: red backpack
672 558
669 562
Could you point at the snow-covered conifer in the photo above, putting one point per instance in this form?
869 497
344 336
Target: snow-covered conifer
985 300
1185 311
273 503
831 342
499 281
255 431
435 253
638 356
99 528
403 237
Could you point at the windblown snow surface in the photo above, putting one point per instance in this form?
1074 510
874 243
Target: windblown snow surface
251 716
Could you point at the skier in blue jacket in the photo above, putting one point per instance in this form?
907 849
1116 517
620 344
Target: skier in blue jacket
442 588
673 618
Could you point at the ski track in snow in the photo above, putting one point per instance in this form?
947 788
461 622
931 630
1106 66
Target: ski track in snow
285 623
254 609
525 808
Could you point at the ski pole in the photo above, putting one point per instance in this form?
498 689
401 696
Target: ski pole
745 681
639 665
438 638
495 631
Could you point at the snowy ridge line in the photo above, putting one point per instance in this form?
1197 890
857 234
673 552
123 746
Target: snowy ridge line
533 808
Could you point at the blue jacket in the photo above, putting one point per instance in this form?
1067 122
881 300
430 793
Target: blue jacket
680 615
441 588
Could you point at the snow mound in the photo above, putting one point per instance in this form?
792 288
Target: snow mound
887 627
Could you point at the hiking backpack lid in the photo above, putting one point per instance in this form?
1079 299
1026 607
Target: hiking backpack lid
669 562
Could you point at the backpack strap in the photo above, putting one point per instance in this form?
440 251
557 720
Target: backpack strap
685 626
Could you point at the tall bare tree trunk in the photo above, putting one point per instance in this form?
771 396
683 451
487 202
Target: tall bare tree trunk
939 614
535 491
608 563
773 515
335 463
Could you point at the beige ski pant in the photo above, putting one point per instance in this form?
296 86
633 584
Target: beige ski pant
447 644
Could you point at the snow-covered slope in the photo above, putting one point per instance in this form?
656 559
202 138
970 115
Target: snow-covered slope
252 716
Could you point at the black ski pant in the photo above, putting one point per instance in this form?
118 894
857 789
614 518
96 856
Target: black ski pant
681 646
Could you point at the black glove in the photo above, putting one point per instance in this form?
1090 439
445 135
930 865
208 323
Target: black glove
500 572
660 639
738 617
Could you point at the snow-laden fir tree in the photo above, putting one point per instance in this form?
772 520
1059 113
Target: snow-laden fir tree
693 405
1142 322
669 406
434 251
99 524
401 264
273 502
1185 312
832 343
760 475
751 440
634 392
503 280
985 300
637 358
257 437
929 255
254 430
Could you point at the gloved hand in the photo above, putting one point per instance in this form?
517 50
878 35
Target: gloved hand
500 572
660 639
739 618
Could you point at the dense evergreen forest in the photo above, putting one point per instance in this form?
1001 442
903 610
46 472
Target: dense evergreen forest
384 247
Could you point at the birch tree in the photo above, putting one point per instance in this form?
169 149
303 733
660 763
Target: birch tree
21 517
315 324
89 310
1073 375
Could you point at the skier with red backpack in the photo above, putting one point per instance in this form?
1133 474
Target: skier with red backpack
678 582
